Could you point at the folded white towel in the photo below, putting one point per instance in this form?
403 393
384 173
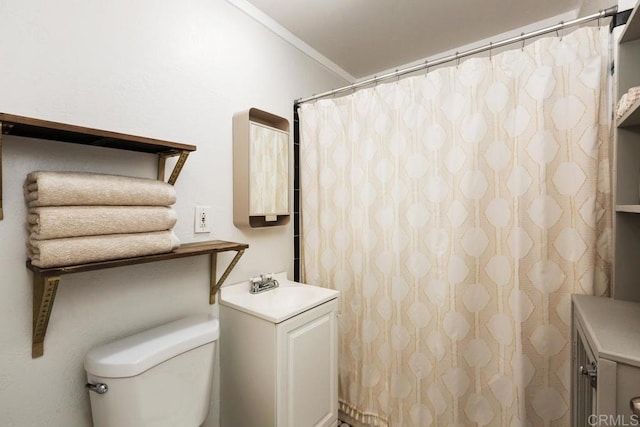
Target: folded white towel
54 222
627 100
82 250
82 188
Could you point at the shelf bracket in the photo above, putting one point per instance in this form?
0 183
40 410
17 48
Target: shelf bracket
44 294
214 285
162 160
46 280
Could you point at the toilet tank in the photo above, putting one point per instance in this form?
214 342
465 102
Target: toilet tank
158 377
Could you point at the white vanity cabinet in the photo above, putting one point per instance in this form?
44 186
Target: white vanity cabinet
279 374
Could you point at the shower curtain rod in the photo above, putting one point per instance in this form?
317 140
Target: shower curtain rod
604 13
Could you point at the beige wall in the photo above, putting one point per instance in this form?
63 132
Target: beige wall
163 69
592 6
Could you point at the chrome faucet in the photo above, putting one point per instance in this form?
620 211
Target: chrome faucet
262 283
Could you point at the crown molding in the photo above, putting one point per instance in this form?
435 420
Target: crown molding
290 38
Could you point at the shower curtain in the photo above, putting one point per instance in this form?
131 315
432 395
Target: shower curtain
456 212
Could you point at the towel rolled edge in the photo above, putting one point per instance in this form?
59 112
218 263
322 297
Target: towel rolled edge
88 249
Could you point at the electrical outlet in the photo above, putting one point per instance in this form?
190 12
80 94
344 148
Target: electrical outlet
202 220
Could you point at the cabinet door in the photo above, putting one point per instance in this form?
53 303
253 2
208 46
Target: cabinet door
308 369
268 171
584 397
627 387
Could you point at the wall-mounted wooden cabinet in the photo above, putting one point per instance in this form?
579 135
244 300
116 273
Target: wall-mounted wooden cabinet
260 169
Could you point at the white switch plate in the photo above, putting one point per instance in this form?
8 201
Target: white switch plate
202 219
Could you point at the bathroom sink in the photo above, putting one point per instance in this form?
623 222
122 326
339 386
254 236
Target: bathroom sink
279 304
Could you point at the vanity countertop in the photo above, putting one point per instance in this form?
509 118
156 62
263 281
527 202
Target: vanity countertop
276 305
612 327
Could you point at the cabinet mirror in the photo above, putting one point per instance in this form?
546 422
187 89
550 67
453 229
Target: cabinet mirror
268 171
261 169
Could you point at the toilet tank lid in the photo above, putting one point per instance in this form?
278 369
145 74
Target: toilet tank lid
137 353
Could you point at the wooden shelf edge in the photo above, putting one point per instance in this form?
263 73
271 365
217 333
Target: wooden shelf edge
55 131
631 117
46 280
185 250
628 208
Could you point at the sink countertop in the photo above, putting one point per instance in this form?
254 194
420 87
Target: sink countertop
279 304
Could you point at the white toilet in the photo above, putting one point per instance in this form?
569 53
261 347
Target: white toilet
159 377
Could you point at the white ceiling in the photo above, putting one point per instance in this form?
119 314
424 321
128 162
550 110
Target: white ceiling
364 37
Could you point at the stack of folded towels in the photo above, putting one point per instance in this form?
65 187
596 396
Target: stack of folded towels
626 101
78 218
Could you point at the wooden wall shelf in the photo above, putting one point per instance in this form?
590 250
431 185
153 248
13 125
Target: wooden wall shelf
46 280
631 117
53 131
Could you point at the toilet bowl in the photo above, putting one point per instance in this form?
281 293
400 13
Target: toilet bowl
158 377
